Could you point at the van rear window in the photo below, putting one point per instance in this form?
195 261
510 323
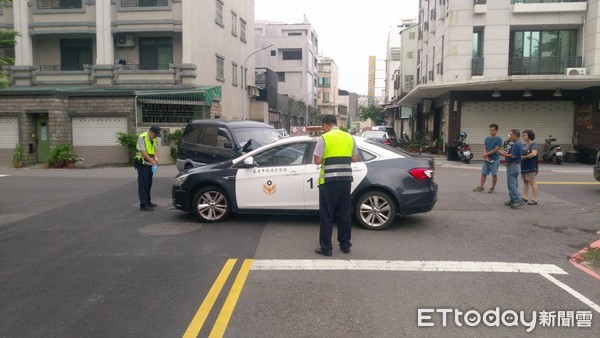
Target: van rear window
192 133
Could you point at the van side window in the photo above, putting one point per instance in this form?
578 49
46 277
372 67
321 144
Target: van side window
209 136
192 134
222 138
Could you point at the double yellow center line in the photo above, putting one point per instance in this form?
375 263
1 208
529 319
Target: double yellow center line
222 321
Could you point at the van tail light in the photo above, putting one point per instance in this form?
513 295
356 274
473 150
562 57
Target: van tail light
387 141
557 148
421 174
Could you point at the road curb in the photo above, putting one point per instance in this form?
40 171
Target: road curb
576 258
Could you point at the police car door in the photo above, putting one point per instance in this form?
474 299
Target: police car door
277 182
311 180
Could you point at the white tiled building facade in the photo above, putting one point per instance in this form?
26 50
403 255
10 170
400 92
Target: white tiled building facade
479 61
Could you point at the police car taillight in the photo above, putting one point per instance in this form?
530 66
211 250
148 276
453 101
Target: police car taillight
421 174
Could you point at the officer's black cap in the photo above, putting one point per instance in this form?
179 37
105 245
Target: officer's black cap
155 130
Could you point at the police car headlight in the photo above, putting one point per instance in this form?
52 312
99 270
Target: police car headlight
180 180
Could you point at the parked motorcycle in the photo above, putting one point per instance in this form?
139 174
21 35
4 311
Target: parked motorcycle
552 152
463 149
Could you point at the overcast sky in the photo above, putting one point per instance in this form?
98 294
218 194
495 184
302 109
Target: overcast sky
348 30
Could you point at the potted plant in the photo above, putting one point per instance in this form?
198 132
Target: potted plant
18 157
63 155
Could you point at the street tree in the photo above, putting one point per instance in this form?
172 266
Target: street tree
372 112
7 40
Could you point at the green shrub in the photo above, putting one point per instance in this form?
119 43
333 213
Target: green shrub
18 154
62 154
129 141
175 137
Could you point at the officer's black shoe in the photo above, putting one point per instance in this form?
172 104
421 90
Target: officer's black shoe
323 252
345 250
146 208
153 205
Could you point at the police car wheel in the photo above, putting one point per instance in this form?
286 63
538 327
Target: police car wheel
211 205
375 210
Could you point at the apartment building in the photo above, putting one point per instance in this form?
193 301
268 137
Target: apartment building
293 56
520 64
329 98
87 69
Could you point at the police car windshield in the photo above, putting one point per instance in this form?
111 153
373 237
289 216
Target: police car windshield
262 135
374 134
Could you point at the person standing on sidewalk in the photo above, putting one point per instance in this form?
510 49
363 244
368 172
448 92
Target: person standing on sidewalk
491 159
146 162
513 168
529 167
335 151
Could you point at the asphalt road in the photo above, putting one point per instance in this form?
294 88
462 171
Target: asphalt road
77 259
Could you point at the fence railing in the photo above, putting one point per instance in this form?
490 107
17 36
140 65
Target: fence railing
144 3
59 4
477 66
545 65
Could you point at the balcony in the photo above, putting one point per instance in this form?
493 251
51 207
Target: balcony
58 6
548 65
548 6
480 7
477 66
111 75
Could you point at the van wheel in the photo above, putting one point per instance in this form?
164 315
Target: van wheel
375 210
211 204
187 166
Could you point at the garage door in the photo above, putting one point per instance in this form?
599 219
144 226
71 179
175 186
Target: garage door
544 118
94 139
9 137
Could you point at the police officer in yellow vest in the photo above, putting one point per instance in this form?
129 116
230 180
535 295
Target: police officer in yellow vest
146 158
335 152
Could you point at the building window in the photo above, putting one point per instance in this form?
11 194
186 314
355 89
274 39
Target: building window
477 63
412 35
75 53
243 30
219 17
543 52
234 80
294 34
156 53
144 3
60 4
273 53
280 76
410 55
326 97
325 82
220 68
233 23
291 54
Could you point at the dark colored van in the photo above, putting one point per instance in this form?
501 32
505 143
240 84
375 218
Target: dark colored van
211 141
391 134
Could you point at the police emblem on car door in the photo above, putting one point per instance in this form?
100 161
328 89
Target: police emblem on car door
277 180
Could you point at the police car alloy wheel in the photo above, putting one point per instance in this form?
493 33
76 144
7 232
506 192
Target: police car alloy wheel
375 210
211 204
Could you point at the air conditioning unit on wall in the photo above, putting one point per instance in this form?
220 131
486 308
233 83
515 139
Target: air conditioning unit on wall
125 41
574 71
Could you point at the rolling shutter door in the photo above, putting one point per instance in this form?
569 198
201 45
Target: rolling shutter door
9 137
545 118
95 139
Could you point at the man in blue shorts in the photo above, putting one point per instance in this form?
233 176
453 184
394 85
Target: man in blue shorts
491 159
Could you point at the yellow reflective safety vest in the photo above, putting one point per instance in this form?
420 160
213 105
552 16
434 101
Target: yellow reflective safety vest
150 144
337 157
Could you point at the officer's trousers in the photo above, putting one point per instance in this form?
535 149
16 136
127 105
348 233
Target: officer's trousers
144 184
334 205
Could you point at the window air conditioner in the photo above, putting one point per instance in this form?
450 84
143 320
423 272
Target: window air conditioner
574 71
125 41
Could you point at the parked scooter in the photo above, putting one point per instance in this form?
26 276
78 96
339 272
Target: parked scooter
463 149
552 152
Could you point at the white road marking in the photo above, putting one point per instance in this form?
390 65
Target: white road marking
383 265
572 292
4 175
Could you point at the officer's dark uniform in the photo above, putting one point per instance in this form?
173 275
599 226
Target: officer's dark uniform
144 168
335 182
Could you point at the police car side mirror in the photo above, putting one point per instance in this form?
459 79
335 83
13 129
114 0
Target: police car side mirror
249 162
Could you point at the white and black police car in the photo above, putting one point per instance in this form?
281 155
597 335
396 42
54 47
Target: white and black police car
281 178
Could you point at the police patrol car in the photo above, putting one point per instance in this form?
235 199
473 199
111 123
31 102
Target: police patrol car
281 178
